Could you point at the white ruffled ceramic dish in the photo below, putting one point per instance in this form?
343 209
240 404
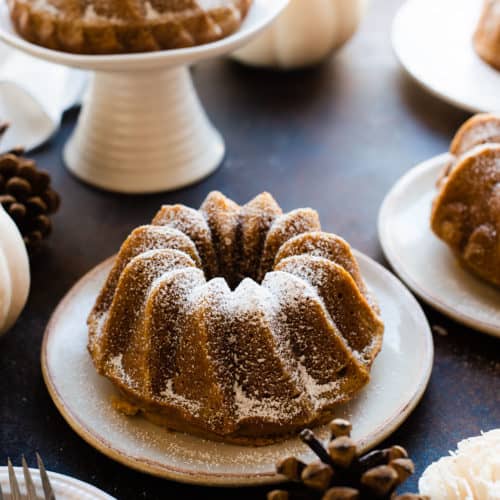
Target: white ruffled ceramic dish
399 378
433 41
65 488
423 261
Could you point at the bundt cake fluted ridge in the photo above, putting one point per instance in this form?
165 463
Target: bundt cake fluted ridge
121 26
242 324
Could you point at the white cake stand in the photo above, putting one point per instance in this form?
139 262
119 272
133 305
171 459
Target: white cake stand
142 128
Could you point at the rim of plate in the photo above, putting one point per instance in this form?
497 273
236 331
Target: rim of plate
398 264
61 484
228 479
442 95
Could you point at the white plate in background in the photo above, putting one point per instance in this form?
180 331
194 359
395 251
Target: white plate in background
433 41
423 261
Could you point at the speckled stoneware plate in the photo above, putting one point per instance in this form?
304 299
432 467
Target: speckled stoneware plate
399 377
433 41
65 487
423 261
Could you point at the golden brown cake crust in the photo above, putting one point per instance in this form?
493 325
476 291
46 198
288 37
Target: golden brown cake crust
482 128
466 212
479 129
487 36
196 342
125 26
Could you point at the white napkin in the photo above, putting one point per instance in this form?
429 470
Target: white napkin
33 96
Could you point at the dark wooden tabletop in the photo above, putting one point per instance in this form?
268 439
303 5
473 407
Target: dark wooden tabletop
336 138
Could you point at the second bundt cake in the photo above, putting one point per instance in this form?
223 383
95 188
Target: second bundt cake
240 324
466 211
123 26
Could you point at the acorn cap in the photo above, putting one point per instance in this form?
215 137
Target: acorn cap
341 493
342 451
380 480
291 468
317 475
278 495
340 427
404 468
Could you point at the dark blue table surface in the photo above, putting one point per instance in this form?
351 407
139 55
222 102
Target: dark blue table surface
336 138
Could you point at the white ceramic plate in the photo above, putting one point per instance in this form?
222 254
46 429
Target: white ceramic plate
399 377
65 488
433 41
423 261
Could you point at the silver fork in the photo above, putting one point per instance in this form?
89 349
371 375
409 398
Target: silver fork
15 491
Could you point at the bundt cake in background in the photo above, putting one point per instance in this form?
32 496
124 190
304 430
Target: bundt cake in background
240 324
120 26
466 211
482 128
487 36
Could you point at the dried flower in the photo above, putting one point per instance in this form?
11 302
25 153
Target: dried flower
473 471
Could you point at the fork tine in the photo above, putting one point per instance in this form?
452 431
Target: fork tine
30 487
1 492
15 492
47 487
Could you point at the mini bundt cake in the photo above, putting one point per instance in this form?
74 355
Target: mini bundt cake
466 211
240 324
487 36
121 26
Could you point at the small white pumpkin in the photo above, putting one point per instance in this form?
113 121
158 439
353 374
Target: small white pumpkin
14 272
305 33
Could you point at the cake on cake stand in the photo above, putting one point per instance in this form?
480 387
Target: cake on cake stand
142 128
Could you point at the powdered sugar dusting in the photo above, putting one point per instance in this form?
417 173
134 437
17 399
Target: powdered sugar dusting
246 406
172 397
316 390
261 346
117 370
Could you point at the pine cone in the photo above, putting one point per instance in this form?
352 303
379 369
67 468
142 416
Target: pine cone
26 195
344 474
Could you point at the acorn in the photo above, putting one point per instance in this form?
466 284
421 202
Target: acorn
291 468
340 427
278 495
317 475
344 474
341 493
380 480
26 195
404 468
342 451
